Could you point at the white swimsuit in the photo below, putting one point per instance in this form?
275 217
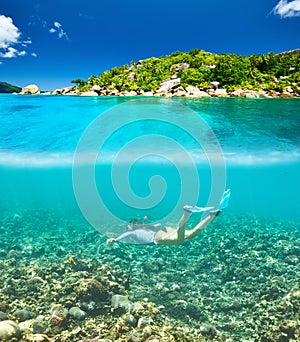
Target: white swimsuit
140 235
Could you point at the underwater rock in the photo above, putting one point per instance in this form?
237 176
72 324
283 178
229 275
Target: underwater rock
58 315
135 337
136 307
153 338
205 329
35 283
91 290
119 301
131 320
23 315
38 338
77 313
89 306
3 307
9 330
3 316
147 331
208 330
292 259
38 327
143 321
25 327
40 318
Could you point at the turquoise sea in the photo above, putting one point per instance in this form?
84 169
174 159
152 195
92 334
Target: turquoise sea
75 170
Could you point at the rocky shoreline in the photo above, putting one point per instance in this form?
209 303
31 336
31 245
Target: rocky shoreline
168 88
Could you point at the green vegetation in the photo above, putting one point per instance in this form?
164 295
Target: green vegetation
8 88
272 72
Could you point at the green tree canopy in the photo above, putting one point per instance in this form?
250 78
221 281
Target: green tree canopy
198 68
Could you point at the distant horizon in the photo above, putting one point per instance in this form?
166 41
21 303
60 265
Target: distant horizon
49 44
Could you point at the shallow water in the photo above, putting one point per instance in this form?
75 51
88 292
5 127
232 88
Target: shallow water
258 156
70 163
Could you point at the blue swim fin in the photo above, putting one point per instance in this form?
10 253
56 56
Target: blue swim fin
225 199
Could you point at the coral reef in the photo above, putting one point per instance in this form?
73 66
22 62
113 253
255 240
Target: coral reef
238 281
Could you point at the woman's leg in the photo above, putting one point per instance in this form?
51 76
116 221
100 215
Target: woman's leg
173 236
182 224
190 234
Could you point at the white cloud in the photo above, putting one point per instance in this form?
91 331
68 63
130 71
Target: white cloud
10 36
33 54
26 42
11 52
56 26
59 30
287 8
9 33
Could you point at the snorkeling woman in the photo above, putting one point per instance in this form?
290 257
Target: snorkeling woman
147 234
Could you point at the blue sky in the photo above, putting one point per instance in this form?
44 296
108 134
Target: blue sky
52 42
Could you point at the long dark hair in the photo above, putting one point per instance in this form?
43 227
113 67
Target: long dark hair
135 221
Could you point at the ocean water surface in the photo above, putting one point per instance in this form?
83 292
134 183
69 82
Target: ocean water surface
74 170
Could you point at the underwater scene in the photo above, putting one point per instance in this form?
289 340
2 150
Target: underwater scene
74 171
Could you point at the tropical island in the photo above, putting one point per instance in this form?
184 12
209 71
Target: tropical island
196 73
200 73
8 88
